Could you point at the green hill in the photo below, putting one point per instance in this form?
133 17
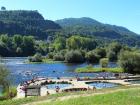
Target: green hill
90 27
25 23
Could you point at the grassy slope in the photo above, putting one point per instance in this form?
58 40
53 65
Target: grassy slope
127 97
56 96
91 70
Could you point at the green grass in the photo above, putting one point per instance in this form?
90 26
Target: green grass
92 70
55 96
126 97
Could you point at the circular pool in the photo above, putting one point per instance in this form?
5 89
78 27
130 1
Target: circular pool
134 81
60 85
100 85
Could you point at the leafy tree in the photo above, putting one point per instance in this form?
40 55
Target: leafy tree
113 51
101 52
28 45
42 47
4 78
112 56
3 8
77 42
92 57
129 61
50 55
74 56
58 57
104 62
59 43
36 58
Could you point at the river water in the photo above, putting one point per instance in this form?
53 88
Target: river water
21 71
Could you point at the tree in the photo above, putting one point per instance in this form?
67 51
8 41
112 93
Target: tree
42 47
130 61
28 45
74 56
104 62
101 52
58 57
113 51
112 56
3 8
78 42
4 78
92 57
36 58
59 43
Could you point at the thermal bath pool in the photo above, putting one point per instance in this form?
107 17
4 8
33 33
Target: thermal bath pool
100 85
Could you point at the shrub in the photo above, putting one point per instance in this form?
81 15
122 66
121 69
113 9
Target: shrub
50 55
36 58
58 57
74 57
11 93
101 52
130 61
104 62
92 57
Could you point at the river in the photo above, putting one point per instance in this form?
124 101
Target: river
21 71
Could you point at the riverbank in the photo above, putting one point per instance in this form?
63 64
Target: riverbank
45 60
88 69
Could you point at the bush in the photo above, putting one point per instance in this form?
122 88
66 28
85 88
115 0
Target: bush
58 57
130 61
36 58
74 57
104 62
112 56
11 93
4 80
101 52
92 57
50 55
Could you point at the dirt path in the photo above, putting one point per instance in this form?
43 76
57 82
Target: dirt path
74 96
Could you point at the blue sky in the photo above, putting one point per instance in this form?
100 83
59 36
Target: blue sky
118 12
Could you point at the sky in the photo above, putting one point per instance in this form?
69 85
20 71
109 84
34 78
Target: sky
116 12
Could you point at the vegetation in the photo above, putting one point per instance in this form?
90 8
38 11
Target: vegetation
103 32
130 61
25 23
74 57
4 80
56 96
91 69
27 33
17 45
7 91
36 58
115 98
104 62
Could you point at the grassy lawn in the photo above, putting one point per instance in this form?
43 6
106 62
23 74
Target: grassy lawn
92 70
126 97
55 96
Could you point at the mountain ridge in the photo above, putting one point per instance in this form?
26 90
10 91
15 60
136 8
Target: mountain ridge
86 21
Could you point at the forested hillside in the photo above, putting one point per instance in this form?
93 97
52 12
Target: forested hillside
90 27
25 23
25 33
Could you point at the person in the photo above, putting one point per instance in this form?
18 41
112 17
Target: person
94 88
57 89
48 93
88 88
